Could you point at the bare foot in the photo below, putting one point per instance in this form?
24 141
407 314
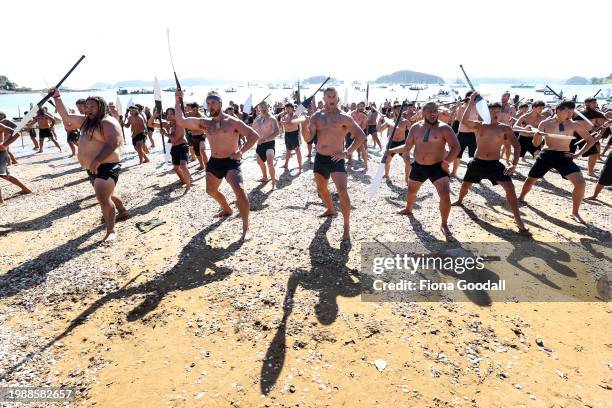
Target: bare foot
246 235
522 201
592 175
405 211
274 183
457 203
122 215
591 198
146 161
223 213
444 229
200 167
524 232
576 217
187 188
328 213
346 236
386 176
110 237
285 166
263 180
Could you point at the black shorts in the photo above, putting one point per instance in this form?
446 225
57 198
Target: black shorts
526 143
32 133
371 130
140 137
455 126
552 159
195 143
325 166
314 139
188 136
263 148
348 140
179 153
605 178
105 171
467 139
395 144
42 133
492 170
422 172
592 150
219 167
4 159
73 136
150 129
292 140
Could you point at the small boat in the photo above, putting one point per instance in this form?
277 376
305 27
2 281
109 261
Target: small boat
270 86
541 90
382 86
171 89
285 86
134 92
417 88
230 90
457 85
522 86
122 91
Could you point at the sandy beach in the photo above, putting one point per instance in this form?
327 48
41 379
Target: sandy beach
186 315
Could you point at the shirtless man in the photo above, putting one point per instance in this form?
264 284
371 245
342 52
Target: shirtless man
139 137
267 129
399 139
429 138
222 131
530 121
373 125
198 143
45 128
147 114
556 153
359 116
6 138
331 125
292 135
72 132
99 153
179 150
486 164
598 119
12 125
467 138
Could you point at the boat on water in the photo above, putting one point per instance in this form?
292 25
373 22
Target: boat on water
541 90
457 85
171 89
285 86
382 86
230 90
135 92
522 86
417 87
270 86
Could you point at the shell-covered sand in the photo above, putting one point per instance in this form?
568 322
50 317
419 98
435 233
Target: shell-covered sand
187 315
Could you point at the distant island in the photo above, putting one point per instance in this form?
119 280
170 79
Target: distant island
578 80
601 81
8 86
409 77
318 80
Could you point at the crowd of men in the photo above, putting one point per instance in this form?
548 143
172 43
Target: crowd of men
431 139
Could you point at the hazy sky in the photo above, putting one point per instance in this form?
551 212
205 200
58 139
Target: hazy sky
289 40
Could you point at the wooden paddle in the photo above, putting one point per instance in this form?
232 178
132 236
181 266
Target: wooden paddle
178 84
381 166
40 103
481 104
158 106
304 105
119 110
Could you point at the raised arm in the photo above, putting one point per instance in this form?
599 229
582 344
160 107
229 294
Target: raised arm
75 120
181 120
465 118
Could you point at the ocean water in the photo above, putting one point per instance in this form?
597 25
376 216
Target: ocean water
13 104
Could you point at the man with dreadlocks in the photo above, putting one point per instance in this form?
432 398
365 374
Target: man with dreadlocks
99 151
